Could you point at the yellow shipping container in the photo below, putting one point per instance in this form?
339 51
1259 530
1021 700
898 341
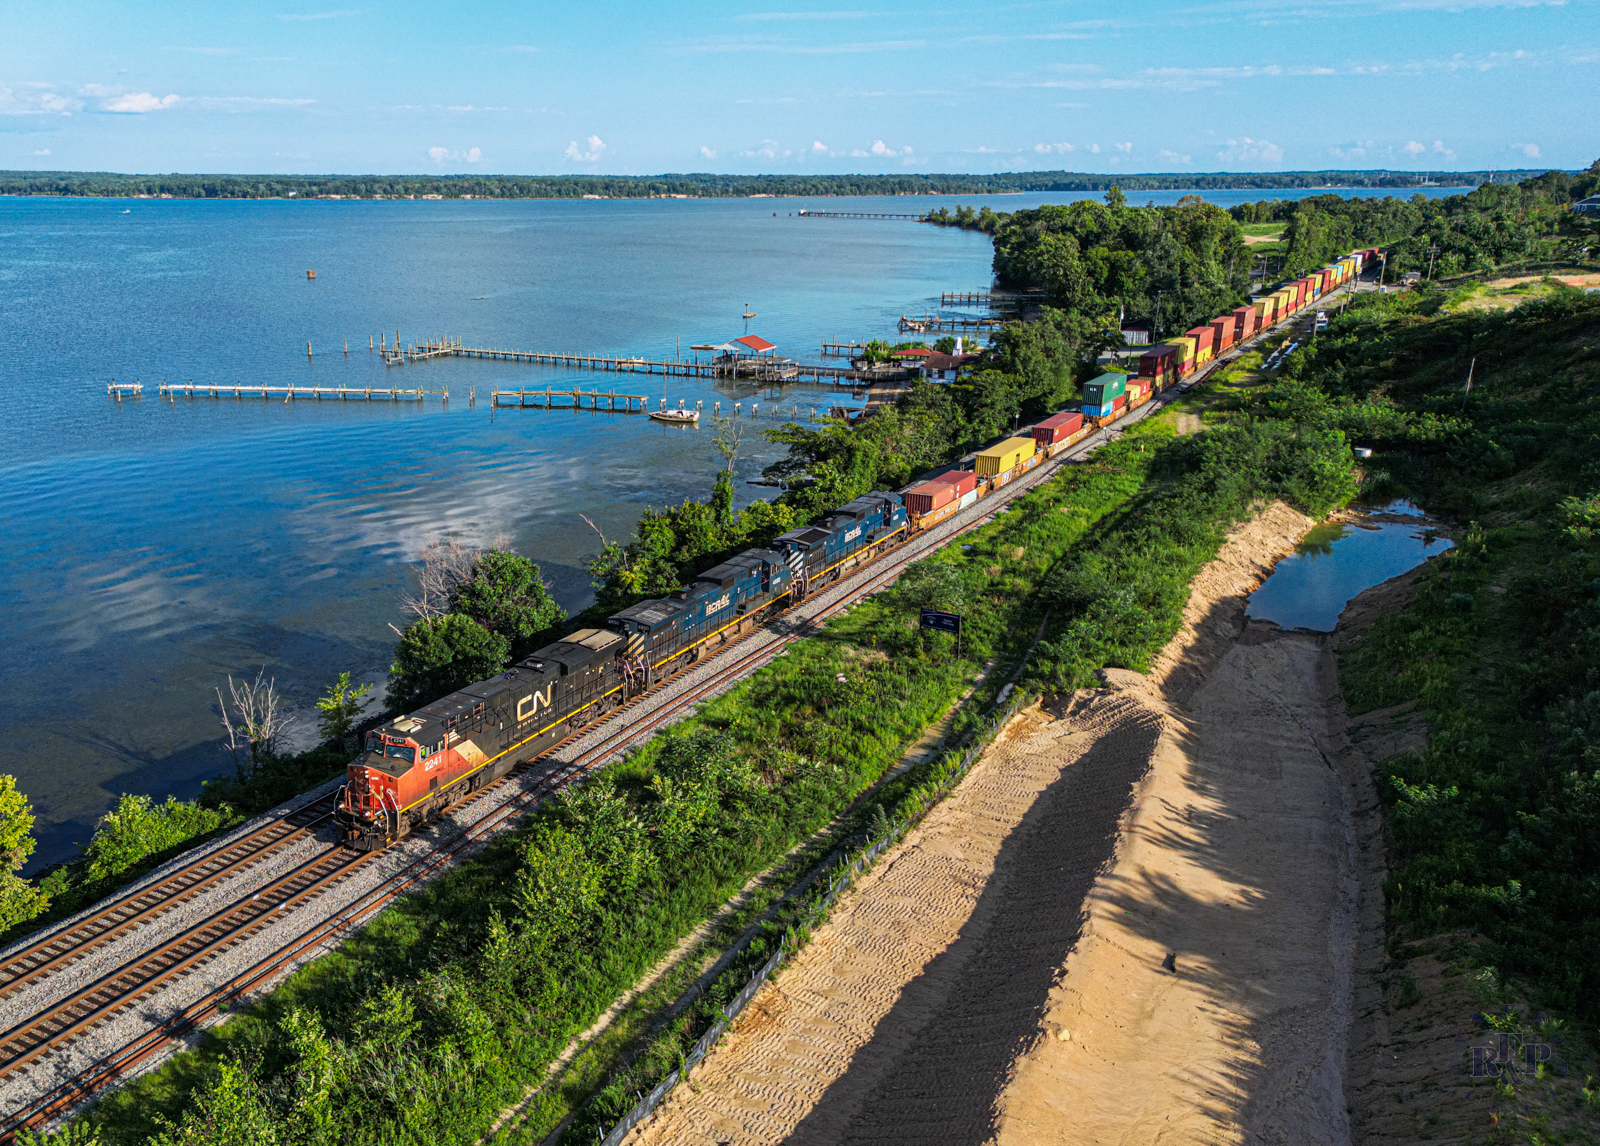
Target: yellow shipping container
1006 456
1185 348
1265 307
1285 301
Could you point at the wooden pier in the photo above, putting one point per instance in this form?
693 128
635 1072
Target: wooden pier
855 215
118 389
757 368
842 349
571 400
290 393
929 322
990 298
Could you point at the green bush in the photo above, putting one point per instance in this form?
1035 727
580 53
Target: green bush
136 829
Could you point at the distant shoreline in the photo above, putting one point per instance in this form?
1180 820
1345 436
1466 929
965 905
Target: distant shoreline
385 188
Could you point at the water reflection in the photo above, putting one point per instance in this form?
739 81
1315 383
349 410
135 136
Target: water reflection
1335 561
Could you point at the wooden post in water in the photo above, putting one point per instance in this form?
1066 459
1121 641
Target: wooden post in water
308 349
369 344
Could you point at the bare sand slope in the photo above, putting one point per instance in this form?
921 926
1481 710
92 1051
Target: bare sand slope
1000 973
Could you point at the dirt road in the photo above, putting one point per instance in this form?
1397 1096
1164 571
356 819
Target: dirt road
1000 976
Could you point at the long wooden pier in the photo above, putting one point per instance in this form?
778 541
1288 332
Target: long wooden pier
855 215
842 349
929 322
118 389
290 393
756 368
989 297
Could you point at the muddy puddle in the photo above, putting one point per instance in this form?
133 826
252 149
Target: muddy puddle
1339 559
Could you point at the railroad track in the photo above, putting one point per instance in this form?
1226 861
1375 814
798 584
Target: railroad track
145 903
115 992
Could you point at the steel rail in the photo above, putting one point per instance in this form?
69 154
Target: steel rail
141 904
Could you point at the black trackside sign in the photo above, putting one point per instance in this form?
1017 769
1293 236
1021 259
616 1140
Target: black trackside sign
944 622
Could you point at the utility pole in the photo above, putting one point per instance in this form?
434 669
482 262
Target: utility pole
1465 393
1432 250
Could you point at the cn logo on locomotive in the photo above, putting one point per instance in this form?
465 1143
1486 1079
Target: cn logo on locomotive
529 705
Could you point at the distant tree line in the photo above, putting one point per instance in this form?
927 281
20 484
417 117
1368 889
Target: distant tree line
1494 224
693 185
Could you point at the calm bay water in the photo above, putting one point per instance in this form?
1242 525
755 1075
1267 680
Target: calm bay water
153 548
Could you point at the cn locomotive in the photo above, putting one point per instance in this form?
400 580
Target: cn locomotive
417 765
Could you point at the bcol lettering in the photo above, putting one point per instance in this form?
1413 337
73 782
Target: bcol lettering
720 603
853 534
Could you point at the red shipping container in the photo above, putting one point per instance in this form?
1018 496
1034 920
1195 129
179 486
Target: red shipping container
1224 328
1204 339
929 496
1119 402
1244 322
1158 361
1057 428
962 481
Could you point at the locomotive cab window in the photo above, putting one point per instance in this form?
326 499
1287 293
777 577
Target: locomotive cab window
401 752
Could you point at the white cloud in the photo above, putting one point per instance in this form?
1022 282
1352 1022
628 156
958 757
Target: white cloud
708 153
1124 147
1047 148
44 151
818 146
138 103
35 99
1094 149
580 155
1531 150
1440 149
1247 150
1415 148
1173 156
443 154
767 149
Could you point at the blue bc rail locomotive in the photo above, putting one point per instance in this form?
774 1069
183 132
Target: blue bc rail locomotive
417 765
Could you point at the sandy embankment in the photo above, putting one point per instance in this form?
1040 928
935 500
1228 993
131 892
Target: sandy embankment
1000 974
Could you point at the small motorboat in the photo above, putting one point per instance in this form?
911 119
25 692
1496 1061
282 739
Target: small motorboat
677 417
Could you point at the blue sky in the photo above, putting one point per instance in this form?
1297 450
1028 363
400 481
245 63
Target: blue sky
638 88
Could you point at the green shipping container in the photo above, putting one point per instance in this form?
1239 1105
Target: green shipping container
1104 389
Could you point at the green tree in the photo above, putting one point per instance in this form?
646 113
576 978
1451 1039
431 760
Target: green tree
340 708
20 900
438 655
506 594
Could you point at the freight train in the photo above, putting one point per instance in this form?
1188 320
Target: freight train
415 766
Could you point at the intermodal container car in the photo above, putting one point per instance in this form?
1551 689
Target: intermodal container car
1057 428
928 496
962 481
1186 351
1223 328
1160 364
1104 388
1006 456
1244 323
1204 344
